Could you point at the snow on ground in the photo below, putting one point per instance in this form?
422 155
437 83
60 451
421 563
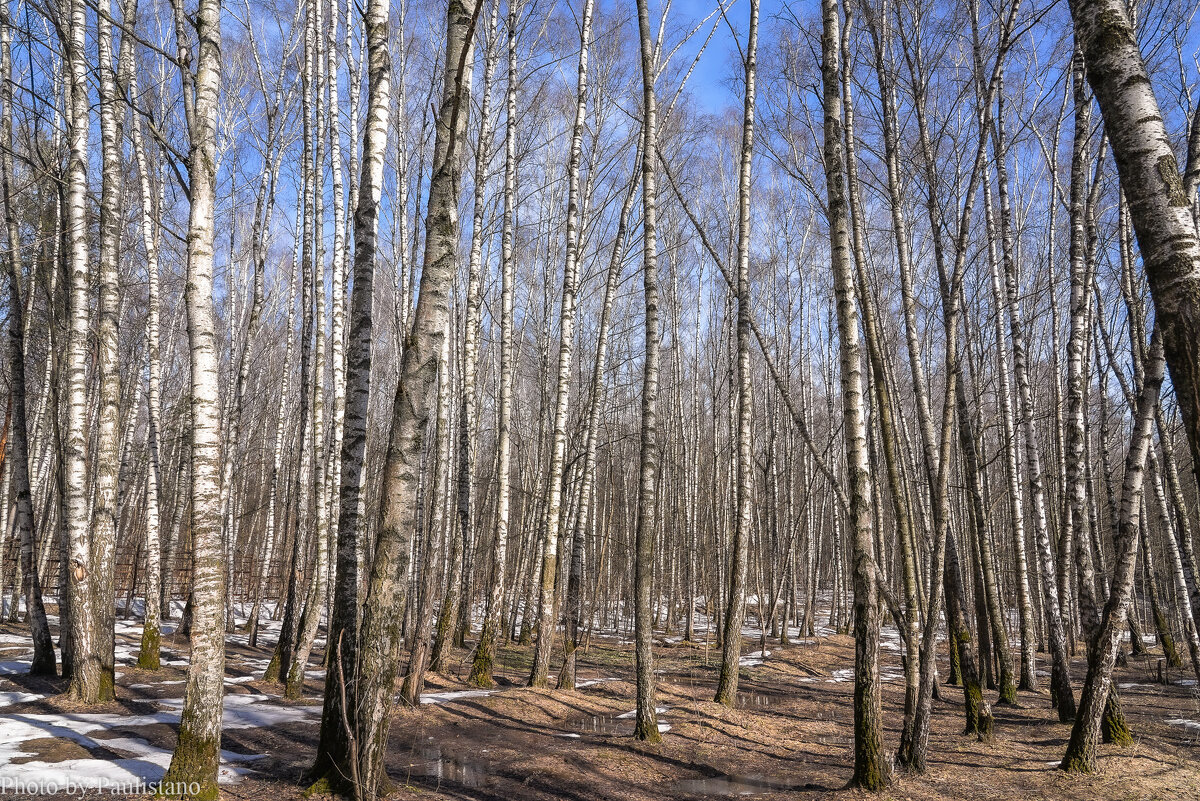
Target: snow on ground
456 695
16 668
146 763
658 710
591 682
158 684
1187 724
753 658
246 711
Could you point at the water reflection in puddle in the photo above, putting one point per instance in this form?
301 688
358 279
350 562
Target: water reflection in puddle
754 700
747 784
430 762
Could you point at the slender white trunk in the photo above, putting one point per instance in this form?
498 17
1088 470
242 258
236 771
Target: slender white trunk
197 755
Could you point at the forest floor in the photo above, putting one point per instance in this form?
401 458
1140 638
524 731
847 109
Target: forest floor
790 737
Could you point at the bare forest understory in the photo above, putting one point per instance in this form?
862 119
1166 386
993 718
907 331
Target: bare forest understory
421 356
789 735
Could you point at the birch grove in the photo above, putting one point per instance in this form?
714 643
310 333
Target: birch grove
375 363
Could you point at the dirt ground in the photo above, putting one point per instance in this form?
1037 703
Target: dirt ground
789 738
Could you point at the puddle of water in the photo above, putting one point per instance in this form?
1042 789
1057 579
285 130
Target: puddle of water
620 725
746 784
430 762
754 700
601 724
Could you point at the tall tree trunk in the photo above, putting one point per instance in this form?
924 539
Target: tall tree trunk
731 652
1028 679
337 752
485 650
43 663
197 755
148 653
646 725
80 660
870 769
379 638
467 411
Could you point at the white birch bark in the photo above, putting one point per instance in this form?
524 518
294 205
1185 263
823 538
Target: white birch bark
197 755
547 617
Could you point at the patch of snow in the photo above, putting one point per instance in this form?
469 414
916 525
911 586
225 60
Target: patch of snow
148 763
658 710
247 712
457 695
16 697
592 682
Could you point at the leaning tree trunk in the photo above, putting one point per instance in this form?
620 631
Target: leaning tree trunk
1158 203
383 611
1085 734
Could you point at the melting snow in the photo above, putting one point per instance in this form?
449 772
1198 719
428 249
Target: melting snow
441 698
147 763
1187 724
658 710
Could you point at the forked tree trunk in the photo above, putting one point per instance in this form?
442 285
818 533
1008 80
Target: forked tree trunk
566 679
547 619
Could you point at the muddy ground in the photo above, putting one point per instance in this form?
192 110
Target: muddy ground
789 738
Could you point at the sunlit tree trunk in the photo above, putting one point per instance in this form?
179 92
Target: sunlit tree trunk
1158 203
646 725
379 638
727 682
197 755
485 650
870 769
19 493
